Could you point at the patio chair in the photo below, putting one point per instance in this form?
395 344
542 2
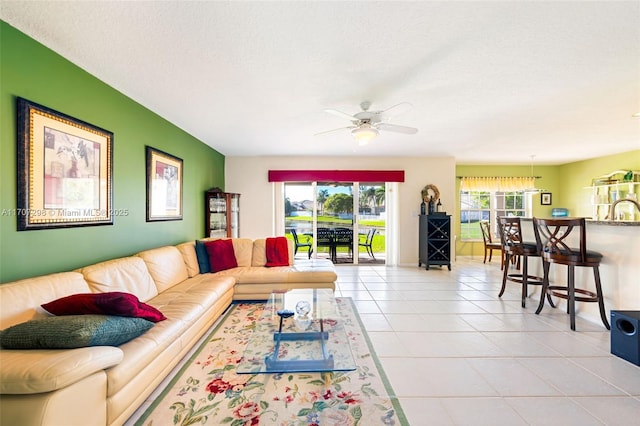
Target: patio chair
368 241
324 238
299 244
342 237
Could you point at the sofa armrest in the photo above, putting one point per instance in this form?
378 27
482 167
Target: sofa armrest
36 371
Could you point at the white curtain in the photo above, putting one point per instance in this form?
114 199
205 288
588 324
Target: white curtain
497 183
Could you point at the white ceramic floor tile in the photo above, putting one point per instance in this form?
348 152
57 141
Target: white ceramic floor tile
356 295
567 344
425 411
447 307
477 295
510 378
387 295
387 344
375 322
521 344
433 295
482 411
429 377
569 378
612 410
552 412
367 307
455 345
497 307
616 371
396 307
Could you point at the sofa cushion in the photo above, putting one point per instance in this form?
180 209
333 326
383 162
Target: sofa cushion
20 300
243 247
165 265
45 370
277 251
126 274
203 257
110 303
221 255
188 252
73 331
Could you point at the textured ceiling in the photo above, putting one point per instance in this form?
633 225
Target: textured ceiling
490 82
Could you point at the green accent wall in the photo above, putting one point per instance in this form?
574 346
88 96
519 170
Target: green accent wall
32 71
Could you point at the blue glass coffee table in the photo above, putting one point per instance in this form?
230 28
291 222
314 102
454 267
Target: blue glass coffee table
299 331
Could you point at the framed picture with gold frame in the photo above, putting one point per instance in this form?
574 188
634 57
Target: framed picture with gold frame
65 170
164 186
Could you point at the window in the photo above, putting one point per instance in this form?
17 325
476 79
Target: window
487 205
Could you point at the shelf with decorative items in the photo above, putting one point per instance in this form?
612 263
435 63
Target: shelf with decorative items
616 188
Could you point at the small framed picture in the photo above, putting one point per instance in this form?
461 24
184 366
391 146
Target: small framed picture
164 186
545 198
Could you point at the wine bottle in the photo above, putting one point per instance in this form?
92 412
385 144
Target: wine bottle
439 206
432 205
423 208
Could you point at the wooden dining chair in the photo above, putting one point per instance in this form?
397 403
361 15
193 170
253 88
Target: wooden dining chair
489 245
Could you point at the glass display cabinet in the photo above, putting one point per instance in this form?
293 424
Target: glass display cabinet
222 214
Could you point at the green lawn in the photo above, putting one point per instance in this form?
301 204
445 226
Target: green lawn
470 231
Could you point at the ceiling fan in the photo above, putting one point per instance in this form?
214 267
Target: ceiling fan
366 125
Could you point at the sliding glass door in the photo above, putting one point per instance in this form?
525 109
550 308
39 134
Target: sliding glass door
320 218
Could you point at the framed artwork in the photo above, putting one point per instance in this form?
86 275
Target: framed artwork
65 170
164 186
545 198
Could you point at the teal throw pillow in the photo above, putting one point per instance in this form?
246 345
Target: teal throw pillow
73 331
203 257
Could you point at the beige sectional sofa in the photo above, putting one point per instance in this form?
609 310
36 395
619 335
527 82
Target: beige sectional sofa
104 385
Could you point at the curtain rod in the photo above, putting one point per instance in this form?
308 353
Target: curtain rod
535 177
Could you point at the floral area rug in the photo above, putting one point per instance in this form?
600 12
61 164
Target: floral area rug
208 391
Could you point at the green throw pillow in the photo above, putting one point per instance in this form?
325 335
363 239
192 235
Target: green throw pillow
73 331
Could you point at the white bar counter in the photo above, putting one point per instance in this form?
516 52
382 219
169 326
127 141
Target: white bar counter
619 243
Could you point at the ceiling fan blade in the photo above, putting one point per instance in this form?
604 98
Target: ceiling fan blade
396 128
397 109
341 114
334 130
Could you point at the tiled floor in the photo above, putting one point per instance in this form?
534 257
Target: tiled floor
456 354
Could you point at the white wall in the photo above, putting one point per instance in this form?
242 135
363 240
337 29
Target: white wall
249 177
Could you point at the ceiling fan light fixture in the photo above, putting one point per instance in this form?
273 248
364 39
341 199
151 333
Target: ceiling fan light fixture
364 134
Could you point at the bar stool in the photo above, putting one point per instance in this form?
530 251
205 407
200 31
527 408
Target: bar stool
552 238
512 247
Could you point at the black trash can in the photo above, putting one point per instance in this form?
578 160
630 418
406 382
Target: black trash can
625 335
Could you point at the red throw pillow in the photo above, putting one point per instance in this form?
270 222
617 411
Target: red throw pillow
109 303
221 255
277 251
